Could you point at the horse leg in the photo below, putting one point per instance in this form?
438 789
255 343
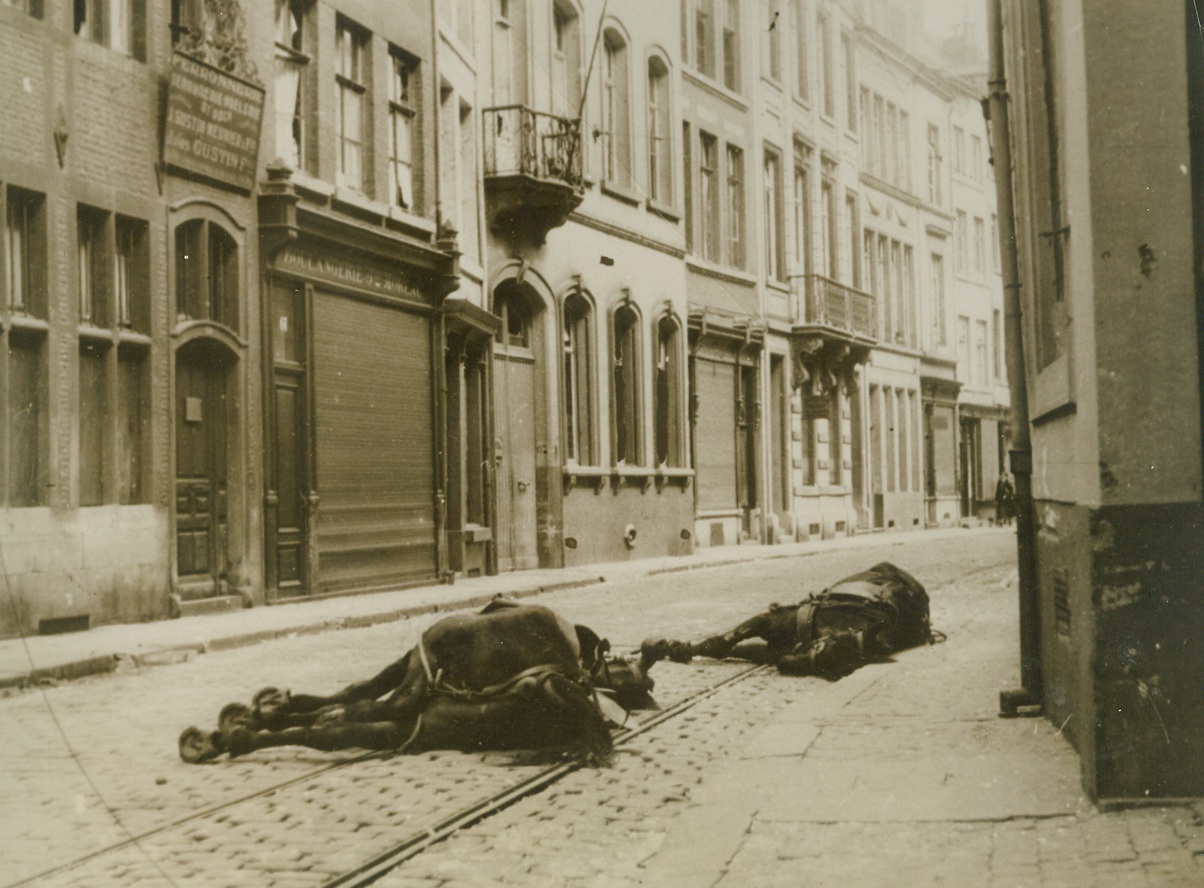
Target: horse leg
353 735
715 646
276 710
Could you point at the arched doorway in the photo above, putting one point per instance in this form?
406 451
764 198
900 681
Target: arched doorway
203 424
517 417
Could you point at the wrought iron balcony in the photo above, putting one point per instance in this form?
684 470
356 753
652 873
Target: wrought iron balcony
533 176
825 303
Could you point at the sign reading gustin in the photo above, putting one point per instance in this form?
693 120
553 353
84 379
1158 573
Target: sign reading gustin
213 123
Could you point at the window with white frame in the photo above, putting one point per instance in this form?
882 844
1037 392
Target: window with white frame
940 322
934 165
995 243
351 101
625 388
660 164
735 206
850 79
976 158
704 36
667 405
577 351
616 111
801 207
980 246
961 235
826 74
731 45
403 92
852 224
773 33
708 196
980 353
566 59
291 69
959 150
775 259
802 57
118 24
829 210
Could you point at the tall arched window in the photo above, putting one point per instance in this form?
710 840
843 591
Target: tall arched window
616 111
667 403
206 274
578 389
660 165
625 394
566 59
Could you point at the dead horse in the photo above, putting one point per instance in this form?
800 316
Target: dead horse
864 617
509 677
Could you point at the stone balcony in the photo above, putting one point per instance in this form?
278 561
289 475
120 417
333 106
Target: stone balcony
834 328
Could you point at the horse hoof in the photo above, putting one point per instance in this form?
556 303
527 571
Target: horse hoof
197 747
234 715
269 701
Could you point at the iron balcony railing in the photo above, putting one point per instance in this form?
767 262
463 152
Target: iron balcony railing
520 141
832 304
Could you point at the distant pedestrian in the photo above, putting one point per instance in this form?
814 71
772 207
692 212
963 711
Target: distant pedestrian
1005 500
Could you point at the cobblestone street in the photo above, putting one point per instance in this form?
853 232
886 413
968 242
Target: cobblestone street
900 774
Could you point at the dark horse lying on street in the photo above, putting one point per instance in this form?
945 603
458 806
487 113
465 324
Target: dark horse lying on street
510 677
865 617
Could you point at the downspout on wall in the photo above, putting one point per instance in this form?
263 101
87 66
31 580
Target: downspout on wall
1029 696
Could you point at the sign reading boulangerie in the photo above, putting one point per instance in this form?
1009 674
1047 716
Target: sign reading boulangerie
213 123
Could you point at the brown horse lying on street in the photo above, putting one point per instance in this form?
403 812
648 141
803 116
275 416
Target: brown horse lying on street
510 677
865 617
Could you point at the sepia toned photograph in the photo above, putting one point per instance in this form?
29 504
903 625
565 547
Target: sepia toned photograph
601 443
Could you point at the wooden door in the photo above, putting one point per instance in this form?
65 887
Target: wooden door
514 404
289 479
201 471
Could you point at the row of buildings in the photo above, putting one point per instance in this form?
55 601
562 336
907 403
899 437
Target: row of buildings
311 297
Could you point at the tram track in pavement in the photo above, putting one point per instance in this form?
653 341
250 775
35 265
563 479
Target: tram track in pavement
169 854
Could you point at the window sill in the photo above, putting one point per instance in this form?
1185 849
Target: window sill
643 477
715 270
90 333
27 324
664 211
713 86
621 193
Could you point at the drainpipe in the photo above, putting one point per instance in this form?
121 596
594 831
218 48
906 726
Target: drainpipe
1029 695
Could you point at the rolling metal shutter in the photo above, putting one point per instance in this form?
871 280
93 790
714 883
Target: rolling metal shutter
715 435
375 458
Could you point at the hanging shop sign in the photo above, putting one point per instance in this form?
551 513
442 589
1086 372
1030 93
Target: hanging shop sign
213 123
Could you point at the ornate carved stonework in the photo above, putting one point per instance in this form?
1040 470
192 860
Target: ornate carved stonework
220 40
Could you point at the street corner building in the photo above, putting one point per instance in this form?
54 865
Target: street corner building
305 298
1107 145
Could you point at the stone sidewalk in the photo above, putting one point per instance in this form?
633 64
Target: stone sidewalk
28 661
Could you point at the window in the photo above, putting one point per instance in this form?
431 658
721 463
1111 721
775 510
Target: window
963 347
801 55
825 66
667 407
852 226
802 210
976 158
23 353
515 330
578 390
904 181
850 77
829 210
616 118
775 261
117 24
403 90
909 296
934 164
735 206
708 195
704 37
566 60
879 159
113 391
939 322
291 65
773 58
997 341
32 8
961 235
625 386
980 353
660 164
835 439
206 274
466 173
731 45
350 92
980 247
959 150
687 178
